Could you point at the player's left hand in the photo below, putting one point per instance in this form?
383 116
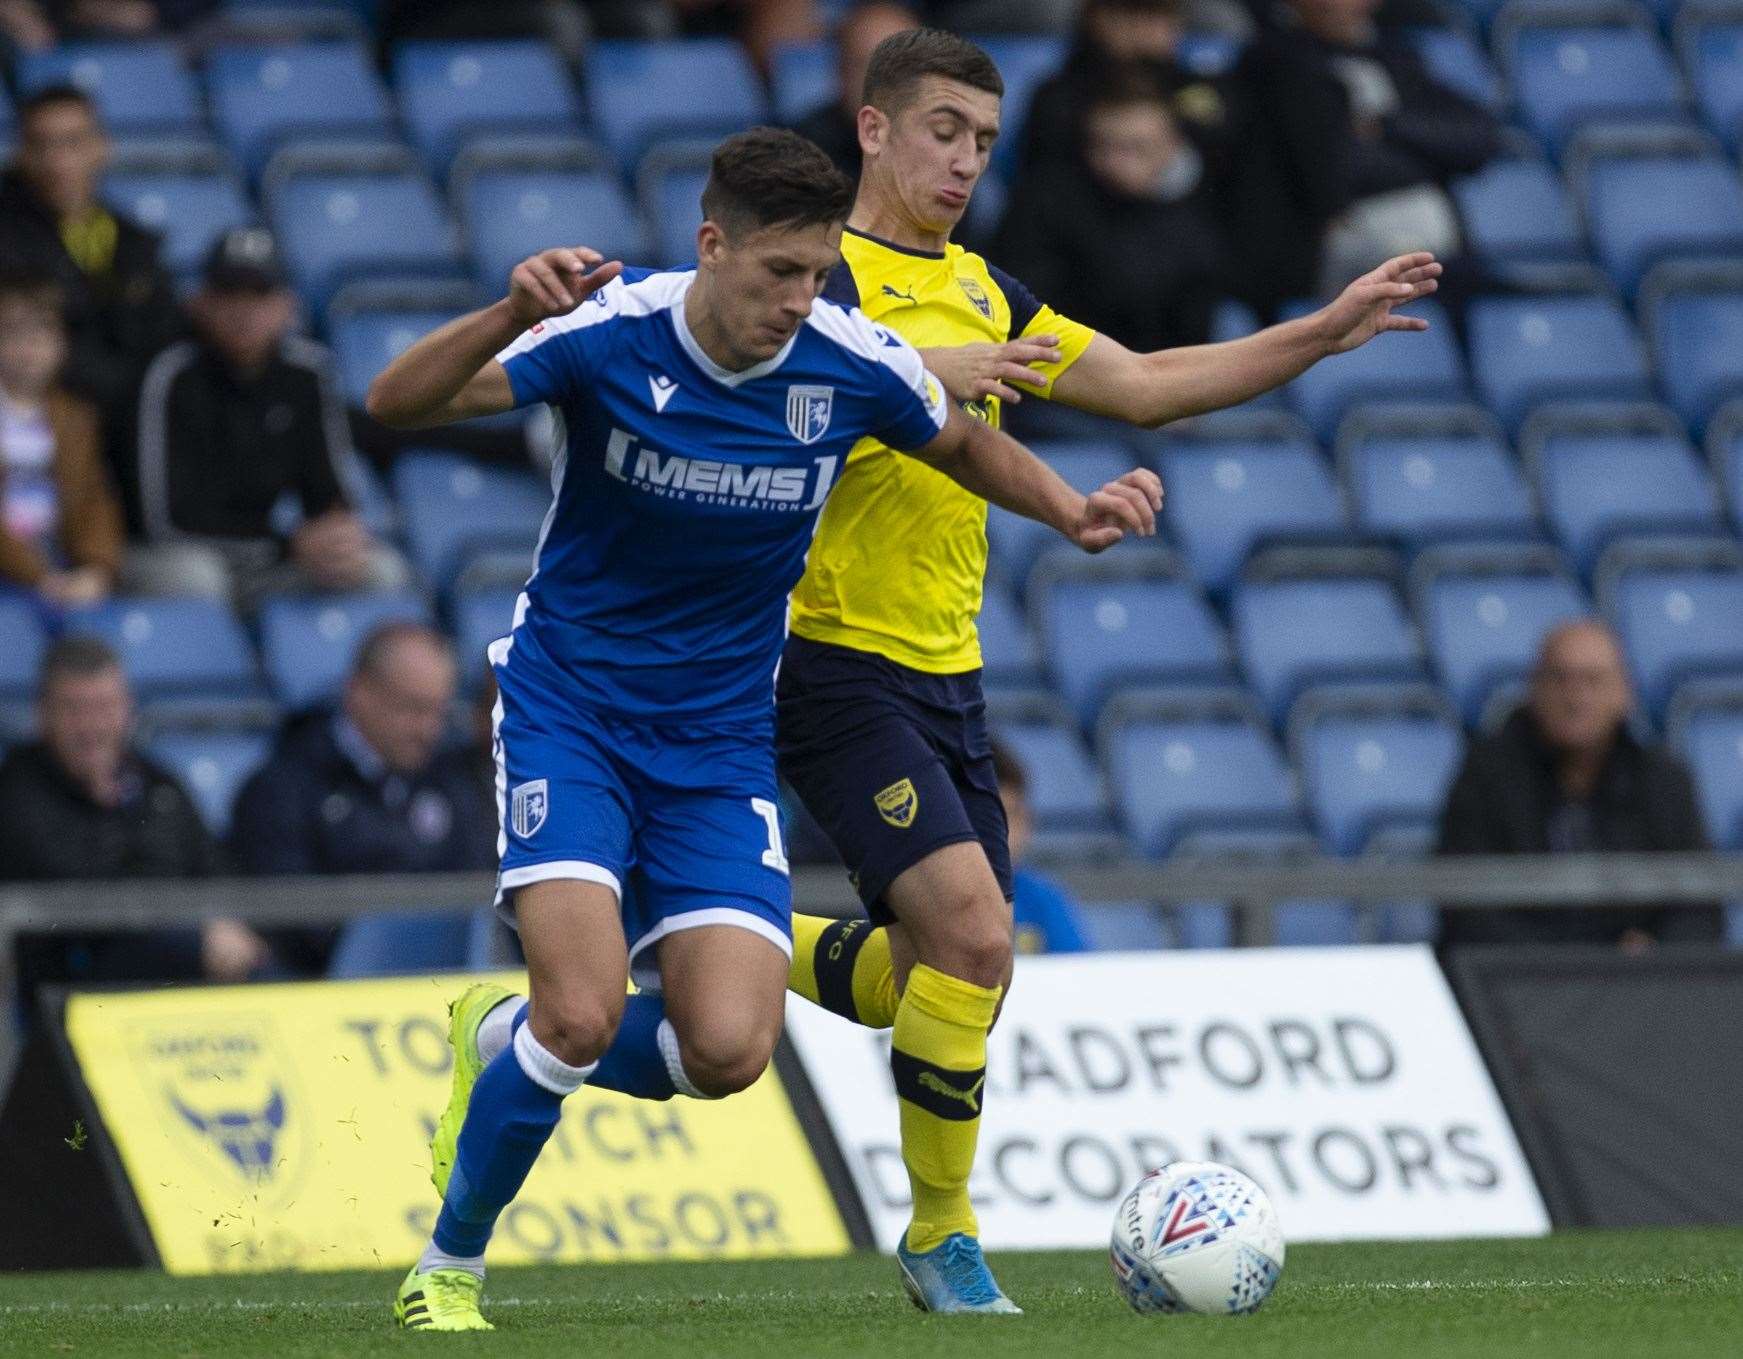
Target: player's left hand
1365 308
1127 505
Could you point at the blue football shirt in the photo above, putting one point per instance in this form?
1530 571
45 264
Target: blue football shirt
685 494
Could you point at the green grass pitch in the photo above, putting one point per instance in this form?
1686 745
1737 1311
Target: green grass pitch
1585 1294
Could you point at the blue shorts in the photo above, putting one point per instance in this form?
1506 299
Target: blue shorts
681 822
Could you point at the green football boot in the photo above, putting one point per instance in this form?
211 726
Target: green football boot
465 1014
441 1300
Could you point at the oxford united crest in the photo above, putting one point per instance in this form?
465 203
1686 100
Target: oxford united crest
977 295
898 803
808 411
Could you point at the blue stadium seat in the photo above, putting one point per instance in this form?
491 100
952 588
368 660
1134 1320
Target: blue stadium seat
1730 461
263 94
308 642
1226 498
21 626
1519 211
1434 487
212 766
1530 349
1643 209
188 211
1064 785
1313 924
480 617
640 92
451 90
671 199
1678 623
1170 778
1566 76
138 85
402 943
338 227
1713 58
1294 633
1596 487
1455 60
1696 339
454 508
1017 542
1009 655
1104 633
1398 364
510 214
801 76
1712 742
176 648
1201 924
1485 631
365 342
1362 772
1123 926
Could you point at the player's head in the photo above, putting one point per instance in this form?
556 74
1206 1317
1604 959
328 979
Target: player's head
400 692
62 148
927 128
773 209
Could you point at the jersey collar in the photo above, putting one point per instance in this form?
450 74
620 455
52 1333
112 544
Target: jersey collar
726 377
899 249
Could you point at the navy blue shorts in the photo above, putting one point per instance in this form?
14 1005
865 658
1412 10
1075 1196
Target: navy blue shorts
894 763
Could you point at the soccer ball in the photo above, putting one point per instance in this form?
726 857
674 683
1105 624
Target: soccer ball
1196 1236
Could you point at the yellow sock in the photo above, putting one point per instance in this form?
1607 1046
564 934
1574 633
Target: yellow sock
938 1057
844 966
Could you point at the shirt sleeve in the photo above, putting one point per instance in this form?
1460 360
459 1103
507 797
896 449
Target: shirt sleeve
910 401
1030 316
555 361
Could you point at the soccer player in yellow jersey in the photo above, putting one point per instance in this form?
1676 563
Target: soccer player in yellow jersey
881 724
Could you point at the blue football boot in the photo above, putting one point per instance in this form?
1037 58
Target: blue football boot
953 1277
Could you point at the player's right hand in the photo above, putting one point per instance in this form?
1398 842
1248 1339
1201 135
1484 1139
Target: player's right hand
972 372
555 282
1126 505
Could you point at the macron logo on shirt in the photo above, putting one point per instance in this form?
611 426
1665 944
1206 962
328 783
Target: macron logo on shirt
662 388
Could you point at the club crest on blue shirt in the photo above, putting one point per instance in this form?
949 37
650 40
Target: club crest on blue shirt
530 805
808 410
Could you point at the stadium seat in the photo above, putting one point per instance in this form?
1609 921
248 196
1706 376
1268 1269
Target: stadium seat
1696 337
1425 367
1484 631
1566 76
1526 350
365 342
801 76
1712 54
339 227
1712 742
212 766
480 617
510 214
401 943
1170 778
1123 926
137 85
1224 499
1313 924
1678 623
1455 60
263 94
176 648
1596 487
21 626
640 92
1017 542
1643 209
1009 655
1436 487
1294 633
669 186
453 507
1360 772
1064 785
308 642
1104 633
1201 924
1518 211
188 211
451 90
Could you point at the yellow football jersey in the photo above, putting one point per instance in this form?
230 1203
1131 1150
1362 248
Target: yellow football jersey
900 554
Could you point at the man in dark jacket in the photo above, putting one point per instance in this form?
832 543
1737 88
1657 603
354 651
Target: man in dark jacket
1565 775
81 803
372 788
120 305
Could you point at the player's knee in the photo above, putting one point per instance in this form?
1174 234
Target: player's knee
727 1059
976 945
574 1029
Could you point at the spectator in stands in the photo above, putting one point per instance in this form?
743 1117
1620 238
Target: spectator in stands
233 425
1566 775
558 22
60 525
80 802
373 788
120 306
44 22
1046 916
1347 144
1129 231
834 125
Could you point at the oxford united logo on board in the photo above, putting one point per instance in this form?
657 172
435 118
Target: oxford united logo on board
808 411
531 804
898 803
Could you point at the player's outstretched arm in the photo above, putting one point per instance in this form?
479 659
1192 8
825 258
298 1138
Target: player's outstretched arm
452 373
997 468
1171 384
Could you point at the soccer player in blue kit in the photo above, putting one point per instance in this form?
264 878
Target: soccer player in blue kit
706 415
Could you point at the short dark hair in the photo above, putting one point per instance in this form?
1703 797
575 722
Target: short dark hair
1127 83
49 96
36 289
1009 771
770 176
75 656
902 60
372 655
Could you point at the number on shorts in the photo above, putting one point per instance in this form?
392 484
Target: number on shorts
775 856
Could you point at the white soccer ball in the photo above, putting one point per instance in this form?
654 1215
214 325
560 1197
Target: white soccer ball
1196 1236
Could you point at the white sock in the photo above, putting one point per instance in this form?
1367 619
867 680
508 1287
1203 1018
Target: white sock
497 1028
668 1040
433 1258
544 1067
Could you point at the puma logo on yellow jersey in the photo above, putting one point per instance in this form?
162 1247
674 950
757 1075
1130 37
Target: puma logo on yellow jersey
938 1086
898 803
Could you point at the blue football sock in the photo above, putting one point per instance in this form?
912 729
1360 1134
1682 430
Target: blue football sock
634 1064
